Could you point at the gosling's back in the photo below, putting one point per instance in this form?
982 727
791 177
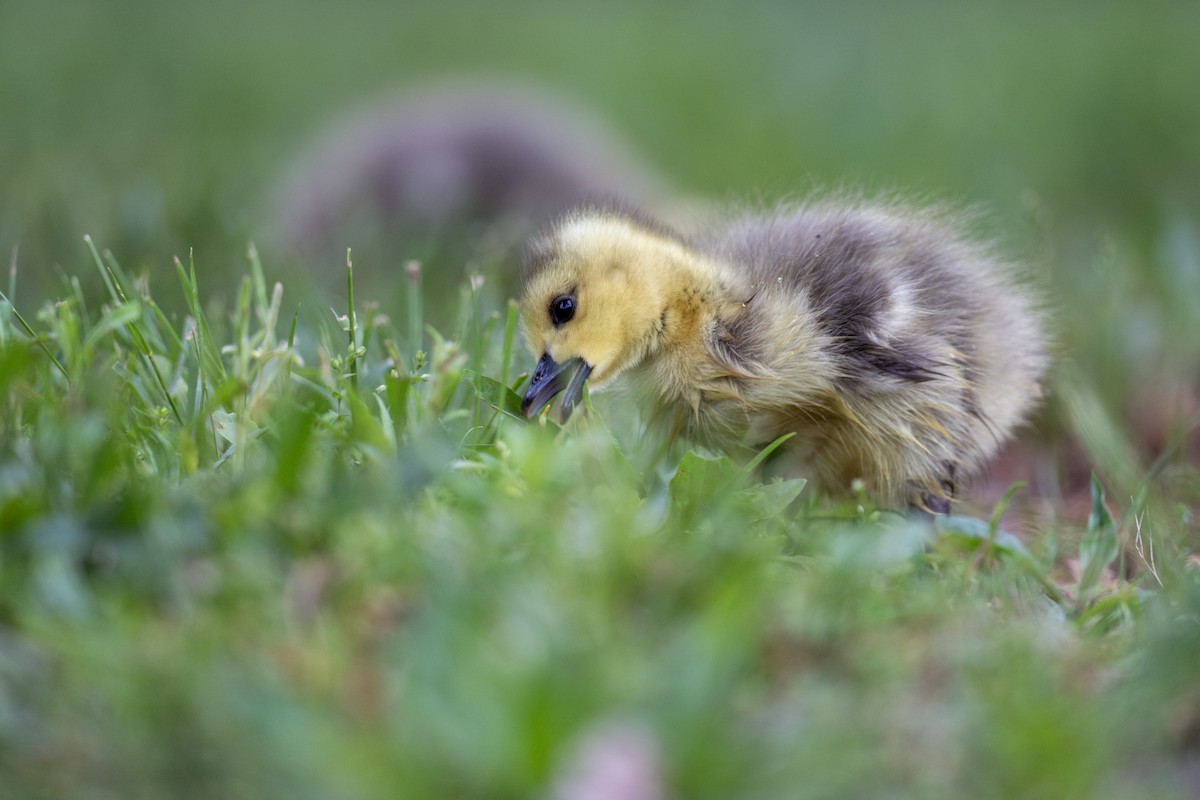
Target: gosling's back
898 350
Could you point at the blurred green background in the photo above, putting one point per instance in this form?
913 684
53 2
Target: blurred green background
159 127
132 119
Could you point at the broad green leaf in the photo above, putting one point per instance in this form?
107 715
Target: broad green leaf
363 425
495 394
768 500
1098 548
699 478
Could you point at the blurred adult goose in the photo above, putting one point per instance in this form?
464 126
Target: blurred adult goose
896 349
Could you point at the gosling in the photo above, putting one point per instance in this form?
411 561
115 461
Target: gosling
898 351
446 155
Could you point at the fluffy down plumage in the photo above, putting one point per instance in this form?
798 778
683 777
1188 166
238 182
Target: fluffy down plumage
899 351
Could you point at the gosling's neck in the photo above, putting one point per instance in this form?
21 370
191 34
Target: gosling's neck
689 294
695 300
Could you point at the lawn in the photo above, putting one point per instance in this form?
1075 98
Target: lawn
268 526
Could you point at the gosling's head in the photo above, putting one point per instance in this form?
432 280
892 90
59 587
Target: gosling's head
592 301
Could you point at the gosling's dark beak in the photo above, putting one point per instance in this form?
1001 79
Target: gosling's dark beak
549 378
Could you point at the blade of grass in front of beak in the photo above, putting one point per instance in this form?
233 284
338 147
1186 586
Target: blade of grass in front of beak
574 391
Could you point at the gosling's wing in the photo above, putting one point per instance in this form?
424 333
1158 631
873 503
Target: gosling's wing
879 285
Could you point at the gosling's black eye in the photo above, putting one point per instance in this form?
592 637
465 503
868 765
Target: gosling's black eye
562 309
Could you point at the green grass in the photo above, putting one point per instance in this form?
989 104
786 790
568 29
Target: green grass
249 557
262 535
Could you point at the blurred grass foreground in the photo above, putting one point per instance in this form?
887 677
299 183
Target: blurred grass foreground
268 526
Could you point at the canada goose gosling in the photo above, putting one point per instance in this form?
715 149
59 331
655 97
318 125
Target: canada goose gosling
899 352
